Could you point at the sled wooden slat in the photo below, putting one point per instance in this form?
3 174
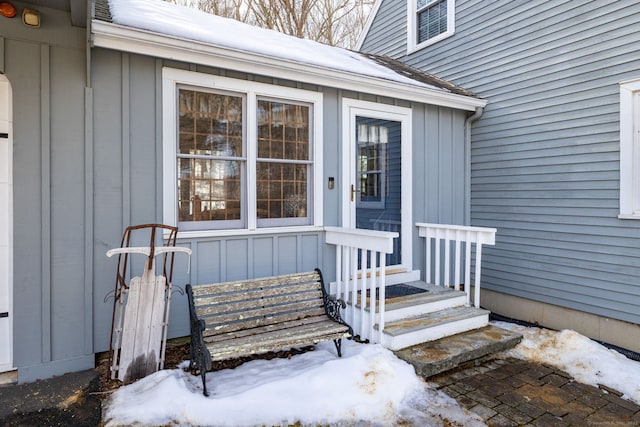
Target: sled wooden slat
235 319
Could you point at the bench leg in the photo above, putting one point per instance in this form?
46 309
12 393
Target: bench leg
338 344
203 374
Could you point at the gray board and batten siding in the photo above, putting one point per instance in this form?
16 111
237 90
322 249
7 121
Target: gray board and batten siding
88 162
52 283
128 139
545 154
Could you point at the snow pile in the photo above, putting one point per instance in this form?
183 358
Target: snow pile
367 385
182 22
585 360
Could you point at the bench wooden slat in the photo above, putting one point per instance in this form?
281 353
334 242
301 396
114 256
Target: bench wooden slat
255 293
300 307
275 340
277 302
246 285
263 329
215 329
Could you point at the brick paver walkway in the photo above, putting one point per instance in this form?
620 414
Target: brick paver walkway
514 392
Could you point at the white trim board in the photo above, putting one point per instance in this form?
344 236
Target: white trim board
126 39
6 226
350 109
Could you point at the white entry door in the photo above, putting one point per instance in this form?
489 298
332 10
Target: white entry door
6 228
377 169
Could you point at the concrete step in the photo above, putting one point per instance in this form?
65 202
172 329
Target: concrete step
432 326
434 357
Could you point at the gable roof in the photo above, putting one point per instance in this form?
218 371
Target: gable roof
167 30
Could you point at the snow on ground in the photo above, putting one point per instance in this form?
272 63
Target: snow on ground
585 360
367 386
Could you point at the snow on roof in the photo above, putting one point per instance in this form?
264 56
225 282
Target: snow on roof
187 23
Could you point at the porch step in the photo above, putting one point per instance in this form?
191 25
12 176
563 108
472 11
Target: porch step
435 357
425 299
434 299
432 326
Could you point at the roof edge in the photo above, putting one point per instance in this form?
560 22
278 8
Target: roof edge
128 39
367 24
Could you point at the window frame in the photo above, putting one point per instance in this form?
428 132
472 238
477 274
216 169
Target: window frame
172 79
630 149
412 21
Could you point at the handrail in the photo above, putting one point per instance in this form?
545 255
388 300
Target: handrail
460 235
361 267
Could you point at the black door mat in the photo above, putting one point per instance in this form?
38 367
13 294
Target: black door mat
398 290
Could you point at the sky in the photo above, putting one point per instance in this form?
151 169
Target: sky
367 386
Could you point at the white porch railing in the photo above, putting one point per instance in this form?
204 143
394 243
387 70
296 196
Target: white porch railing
448 241
360 267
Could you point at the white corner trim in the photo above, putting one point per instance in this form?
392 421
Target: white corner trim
126 39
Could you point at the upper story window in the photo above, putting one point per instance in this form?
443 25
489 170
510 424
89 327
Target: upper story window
239 155
429 22
630 150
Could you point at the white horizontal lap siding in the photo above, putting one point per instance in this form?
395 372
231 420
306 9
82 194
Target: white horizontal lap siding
545 154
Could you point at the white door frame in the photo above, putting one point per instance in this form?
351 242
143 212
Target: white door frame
351 108
6 226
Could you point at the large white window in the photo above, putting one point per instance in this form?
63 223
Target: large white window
630 149
239 155
429 21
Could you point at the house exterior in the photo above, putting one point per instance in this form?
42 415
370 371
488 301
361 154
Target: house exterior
554 154
251 150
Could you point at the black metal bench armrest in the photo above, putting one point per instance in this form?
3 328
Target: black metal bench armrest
332 305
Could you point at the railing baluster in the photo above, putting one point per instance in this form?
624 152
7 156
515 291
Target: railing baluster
457 263
476 294
383 284
447 259
437 251
467 267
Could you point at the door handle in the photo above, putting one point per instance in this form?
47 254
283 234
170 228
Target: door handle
353 192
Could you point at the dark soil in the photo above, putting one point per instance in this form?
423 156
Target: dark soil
85 407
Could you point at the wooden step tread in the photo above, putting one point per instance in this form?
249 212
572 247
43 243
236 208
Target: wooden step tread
433 319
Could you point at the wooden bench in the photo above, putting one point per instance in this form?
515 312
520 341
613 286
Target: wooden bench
241 318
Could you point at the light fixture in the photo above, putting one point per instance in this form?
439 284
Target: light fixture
7 9
31 18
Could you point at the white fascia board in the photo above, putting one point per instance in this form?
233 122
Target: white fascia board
126 39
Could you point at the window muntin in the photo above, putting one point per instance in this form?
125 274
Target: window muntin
308 167
432 19
283 166
209 158
429 21
372 165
